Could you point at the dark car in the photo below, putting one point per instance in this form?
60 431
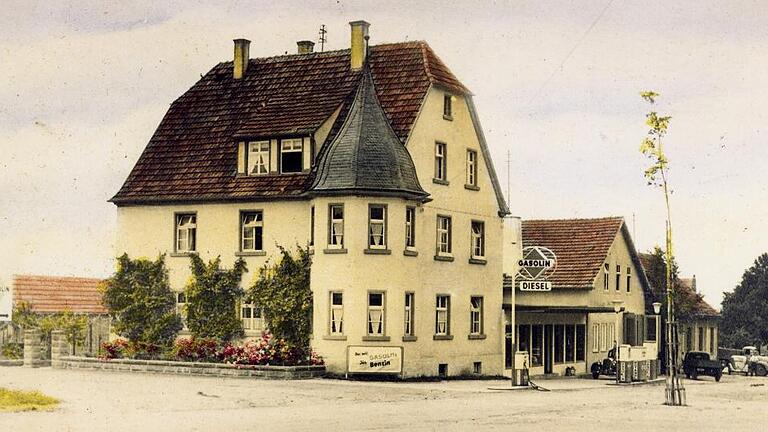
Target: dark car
607 367
698 363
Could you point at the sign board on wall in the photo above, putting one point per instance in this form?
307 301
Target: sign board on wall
374 359
536 265
6 304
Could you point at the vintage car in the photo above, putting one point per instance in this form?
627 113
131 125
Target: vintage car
749 356
607 367
698 363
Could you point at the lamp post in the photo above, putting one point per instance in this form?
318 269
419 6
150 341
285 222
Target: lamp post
657 333
617 308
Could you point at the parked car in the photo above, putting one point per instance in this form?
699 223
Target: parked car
698 363
749 357
606 367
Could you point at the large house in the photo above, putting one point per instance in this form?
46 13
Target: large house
373 157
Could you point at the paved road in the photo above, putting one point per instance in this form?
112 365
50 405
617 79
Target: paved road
110 401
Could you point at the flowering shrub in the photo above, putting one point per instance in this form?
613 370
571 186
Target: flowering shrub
121 348
205 350
267 351
115 349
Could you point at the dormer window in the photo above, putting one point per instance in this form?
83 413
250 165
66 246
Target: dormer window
447 107
291 158
258 157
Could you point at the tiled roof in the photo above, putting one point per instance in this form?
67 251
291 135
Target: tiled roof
366 156
687 290
581 246
50 294
192 155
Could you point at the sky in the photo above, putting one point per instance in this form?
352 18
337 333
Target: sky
556 83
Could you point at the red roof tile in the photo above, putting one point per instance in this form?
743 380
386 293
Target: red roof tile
50 294
192 155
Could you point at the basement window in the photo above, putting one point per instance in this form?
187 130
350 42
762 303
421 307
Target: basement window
291 158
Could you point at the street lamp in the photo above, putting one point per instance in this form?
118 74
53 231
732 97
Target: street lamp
617 308
657 333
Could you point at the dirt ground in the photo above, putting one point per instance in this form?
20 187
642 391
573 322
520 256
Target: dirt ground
110 401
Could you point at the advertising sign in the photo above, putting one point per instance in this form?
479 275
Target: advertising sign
6 304
375 359
537 264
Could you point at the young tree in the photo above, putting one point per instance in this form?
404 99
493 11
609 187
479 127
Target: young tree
212 297
283 293
745 310
141 302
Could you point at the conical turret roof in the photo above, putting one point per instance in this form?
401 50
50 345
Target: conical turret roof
366 157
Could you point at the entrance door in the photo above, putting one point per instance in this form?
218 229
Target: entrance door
508 346
548 330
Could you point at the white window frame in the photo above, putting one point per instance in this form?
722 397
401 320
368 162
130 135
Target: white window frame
442 315
186 229
410 227
472 168
443 235
255 320
478 239
336 313
409 308
595 337
335 227
618 277
377 240
250 220
441 161
606 275
476 315
373 326
291 145
258 157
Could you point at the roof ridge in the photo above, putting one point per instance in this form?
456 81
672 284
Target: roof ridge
15 276
424 61
604 218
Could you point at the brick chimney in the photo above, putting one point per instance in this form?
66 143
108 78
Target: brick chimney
359 44
693 283
241 57
306 47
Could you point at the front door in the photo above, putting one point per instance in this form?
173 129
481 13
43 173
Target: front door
548 349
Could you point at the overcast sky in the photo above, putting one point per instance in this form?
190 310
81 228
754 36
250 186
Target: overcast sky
85 83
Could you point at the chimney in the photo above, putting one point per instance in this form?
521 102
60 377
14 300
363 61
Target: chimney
359 45
693 283
241 57
305 46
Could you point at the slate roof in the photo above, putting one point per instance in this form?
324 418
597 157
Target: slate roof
366 156
51 294
192 154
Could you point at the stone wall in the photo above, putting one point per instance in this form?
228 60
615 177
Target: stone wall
190 368
33 345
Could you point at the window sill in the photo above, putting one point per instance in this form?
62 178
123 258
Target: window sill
447 117
250 253
476 336
411 253
377 252
442 337
446 258
376 338
182 254
471 187
410 338
334 251
480 261
440 181
335 337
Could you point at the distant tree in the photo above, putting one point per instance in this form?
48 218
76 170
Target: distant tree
685 301
283 293
745 310
141 302
212 297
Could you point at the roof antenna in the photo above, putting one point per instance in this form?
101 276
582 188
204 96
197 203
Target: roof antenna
323 38
367 48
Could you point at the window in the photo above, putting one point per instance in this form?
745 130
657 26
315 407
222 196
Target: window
606 270
447 106
250 316
312 226
712 340
559 343
375 314
650 327
477 368
478 239
524 338
291 158
443 235
410 227
580 341
252 232
537 340
186 230
701 338
337 314
442 370
440 162
603 336
595 337
258 157
476 315
409 315
377 227
181 307
442 310
570 341
629 278
336 226
618 277
471 168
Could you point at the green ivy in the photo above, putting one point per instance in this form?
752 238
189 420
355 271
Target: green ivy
212 297
141 302
283 293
